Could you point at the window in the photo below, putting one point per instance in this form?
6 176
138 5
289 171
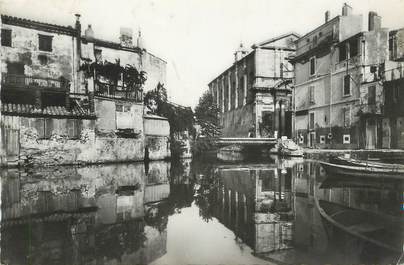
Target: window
342 52
315 40
311 94
119 108
353 48
371 95
311 121
6 37
45 43
122 108
347 85
73 128
347 116
43 59
346 138
98 55
312 65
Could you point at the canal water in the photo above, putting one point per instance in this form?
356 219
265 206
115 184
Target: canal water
276 211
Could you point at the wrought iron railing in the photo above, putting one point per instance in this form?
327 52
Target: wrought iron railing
117 91
15 80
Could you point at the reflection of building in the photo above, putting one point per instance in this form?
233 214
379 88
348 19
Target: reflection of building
255 202
369 208
80 219
253 93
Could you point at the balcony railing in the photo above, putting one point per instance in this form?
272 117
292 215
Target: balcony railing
24 81
117 92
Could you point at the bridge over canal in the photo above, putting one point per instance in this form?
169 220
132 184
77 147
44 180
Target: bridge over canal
258 142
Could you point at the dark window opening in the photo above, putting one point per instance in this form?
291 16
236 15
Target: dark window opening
342 52
15 68
45 43
43 59
312 66
371 95
347 85
353 48
6 37
311 121
315 40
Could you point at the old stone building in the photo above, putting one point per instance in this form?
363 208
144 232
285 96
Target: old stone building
54 112
393 90
119 109
253 94
338 95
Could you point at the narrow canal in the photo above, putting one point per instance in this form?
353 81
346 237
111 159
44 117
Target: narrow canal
199 212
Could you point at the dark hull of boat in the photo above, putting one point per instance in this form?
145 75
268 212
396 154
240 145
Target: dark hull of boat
369 172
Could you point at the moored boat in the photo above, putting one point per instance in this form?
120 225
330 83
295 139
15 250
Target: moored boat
365 163
362 171
287 147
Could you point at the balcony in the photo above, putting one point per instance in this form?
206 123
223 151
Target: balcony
18 82
107 90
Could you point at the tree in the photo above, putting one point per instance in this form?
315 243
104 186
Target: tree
206 113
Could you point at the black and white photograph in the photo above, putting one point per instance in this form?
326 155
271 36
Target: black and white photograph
202 132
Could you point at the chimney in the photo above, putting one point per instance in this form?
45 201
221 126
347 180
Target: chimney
346 10
89 33
139 40
375 21
327 16
126 37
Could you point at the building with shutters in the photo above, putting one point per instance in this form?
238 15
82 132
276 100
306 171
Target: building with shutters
54 112
339 69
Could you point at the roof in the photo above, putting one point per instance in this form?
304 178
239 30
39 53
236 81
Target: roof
112 45
277 38
50 111
154 117
322 25
27 23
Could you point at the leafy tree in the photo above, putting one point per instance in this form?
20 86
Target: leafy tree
180 118
206 113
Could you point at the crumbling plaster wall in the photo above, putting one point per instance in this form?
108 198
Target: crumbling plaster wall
24 49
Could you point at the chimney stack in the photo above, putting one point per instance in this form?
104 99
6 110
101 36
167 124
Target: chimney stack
126 37
375 21
327 16
89 33
346 10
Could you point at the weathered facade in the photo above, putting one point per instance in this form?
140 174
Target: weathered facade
253 94
56 113
338 95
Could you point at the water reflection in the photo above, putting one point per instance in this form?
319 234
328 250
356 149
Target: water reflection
94 215
199 212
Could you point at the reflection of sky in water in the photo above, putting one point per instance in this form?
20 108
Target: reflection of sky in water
191 240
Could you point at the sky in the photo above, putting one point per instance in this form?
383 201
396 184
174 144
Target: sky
197 38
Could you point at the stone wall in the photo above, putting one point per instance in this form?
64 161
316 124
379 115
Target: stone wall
157 147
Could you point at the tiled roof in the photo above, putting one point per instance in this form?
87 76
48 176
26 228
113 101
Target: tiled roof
52 111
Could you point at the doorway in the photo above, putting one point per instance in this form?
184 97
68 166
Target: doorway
371 134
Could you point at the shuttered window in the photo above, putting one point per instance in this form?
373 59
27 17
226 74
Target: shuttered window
371 95
6 37
347 85
45 43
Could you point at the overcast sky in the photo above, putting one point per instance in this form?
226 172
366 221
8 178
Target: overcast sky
197 38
